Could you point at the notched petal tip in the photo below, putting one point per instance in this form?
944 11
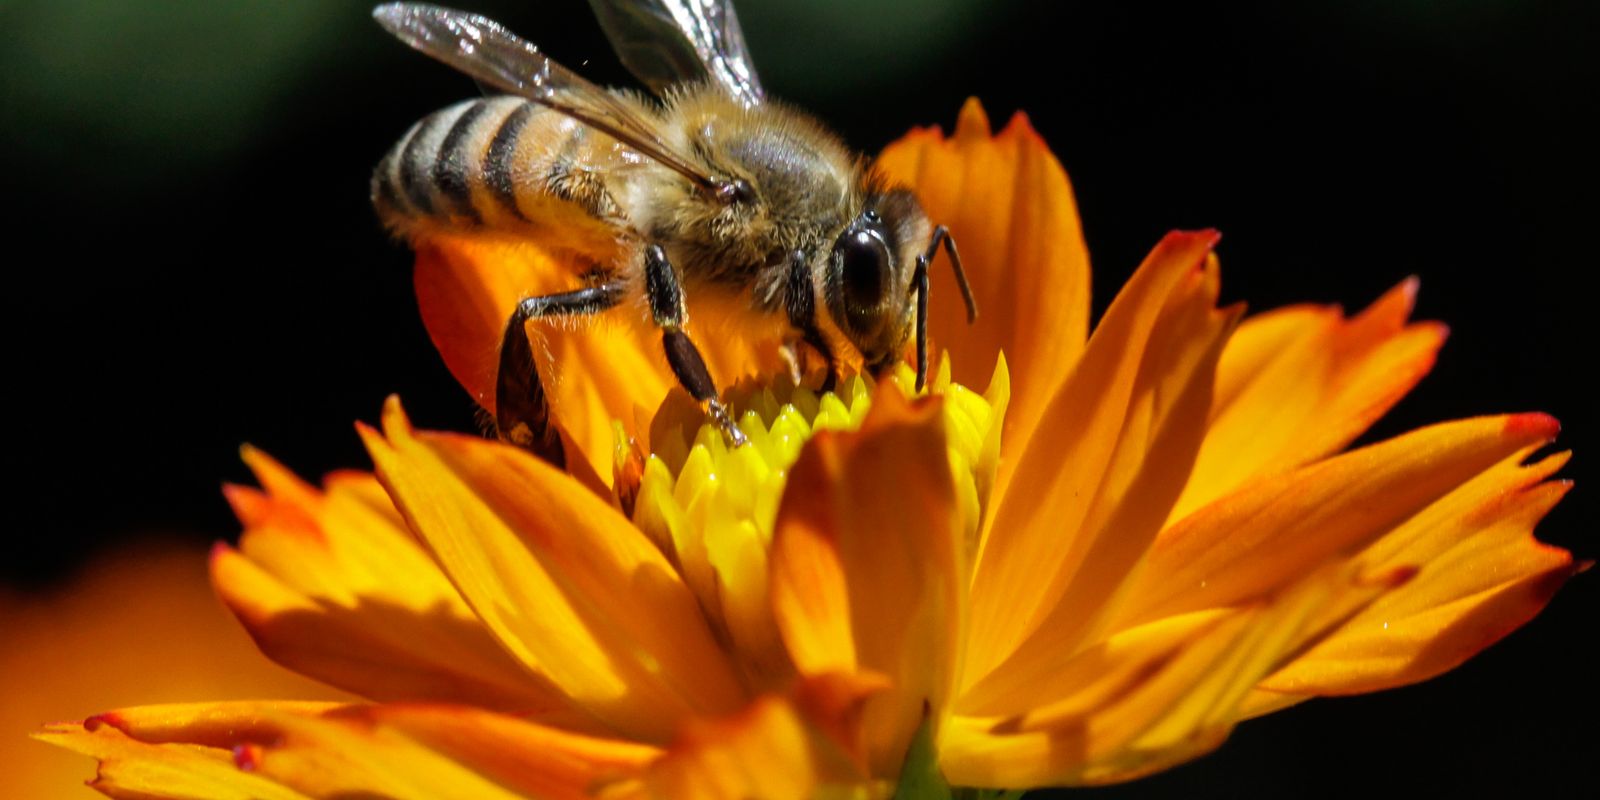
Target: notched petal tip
392 424
1479 574
1533 425
891 406
394 416
276 479
1394 308
973 122
219 550
249 504
1409 288
1020 125
1206 238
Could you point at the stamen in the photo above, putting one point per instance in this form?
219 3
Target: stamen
712 509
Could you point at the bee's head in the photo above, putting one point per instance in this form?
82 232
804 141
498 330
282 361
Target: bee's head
867 284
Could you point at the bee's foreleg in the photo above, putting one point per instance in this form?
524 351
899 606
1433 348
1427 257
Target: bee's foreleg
521 411
801 306
666 306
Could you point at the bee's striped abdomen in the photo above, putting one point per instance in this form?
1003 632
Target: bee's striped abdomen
497 164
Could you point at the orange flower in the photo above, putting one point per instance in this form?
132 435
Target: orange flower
1130 542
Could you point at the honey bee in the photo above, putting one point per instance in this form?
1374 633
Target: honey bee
707 189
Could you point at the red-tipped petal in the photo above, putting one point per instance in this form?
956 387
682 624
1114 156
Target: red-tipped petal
1274 530
1299 383
1479 574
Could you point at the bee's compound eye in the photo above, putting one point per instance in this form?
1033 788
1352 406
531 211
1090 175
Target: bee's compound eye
863 260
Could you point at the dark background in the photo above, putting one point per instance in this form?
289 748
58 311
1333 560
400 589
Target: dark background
191 262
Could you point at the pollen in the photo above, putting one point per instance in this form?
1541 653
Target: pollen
712 509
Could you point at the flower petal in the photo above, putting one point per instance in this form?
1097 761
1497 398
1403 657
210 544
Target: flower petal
429 752
1482 575
561 579
1111 455
1149 697
274 750
133 769
593 371
772 749
1281 527
1300 383
179 750
865 564
332 584
1009 206
978 751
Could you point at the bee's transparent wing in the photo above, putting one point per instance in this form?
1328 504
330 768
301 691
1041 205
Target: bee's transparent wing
667 42
496 57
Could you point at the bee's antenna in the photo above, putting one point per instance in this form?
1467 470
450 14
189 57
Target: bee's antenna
941 235
919 284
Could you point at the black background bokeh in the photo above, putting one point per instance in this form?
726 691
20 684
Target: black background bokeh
172 294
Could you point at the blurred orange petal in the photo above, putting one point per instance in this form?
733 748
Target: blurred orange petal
250 749
131 769
1130 416
561 579
222 725
776 747
1300 383
866 574
427 752
1007 202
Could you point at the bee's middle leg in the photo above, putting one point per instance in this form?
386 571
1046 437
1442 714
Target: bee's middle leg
522 412
667 307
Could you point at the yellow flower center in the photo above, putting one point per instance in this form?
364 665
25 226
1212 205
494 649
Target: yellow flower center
712 509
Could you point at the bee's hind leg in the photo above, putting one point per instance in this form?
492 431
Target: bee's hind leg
521 410
667 307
